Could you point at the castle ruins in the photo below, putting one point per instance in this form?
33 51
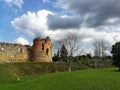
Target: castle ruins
40 51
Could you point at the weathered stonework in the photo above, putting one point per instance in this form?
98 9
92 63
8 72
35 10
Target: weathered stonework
14 52
41 51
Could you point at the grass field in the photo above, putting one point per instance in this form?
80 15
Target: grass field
92 79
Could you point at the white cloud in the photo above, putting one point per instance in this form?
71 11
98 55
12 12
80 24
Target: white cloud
89 35
35 24
17 3
46 1
32 23
112 20
21 40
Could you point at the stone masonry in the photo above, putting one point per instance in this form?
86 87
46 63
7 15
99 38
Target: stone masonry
41 51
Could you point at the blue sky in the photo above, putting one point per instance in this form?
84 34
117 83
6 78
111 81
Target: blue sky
23 20
10 10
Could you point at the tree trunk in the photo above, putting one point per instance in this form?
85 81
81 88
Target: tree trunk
69 68
98 63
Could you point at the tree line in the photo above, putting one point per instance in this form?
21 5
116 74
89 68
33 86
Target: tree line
70 46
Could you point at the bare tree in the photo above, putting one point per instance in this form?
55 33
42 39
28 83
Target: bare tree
71 43
100 49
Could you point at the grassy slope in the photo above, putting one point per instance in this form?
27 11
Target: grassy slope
103 79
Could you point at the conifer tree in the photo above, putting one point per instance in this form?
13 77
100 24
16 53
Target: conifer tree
58 54
116 54
63 53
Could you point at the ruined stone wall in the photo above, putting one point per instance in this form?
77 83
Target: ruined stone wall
42 50
14 52
48 48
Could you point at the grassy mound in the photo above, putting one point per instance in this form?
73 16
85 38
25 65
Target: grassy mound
92 79
13 71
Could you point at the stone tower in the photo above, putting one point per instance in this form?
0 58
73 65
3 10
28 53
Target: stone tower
42 50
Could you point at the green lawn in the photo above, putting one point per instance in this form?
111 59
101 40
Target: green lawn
92 79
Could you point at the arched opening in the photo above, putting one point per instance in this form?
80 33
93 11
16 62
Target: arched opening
47 51
42 46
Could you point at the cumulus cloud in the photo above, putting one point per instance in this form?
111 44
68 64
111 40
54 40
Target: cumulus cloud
35 25
63 22
47 23
32 23
17 3
94 12
89 35
44 22
21 40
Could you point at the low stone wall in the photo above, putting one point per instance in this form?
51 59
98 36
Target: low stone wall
14 52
